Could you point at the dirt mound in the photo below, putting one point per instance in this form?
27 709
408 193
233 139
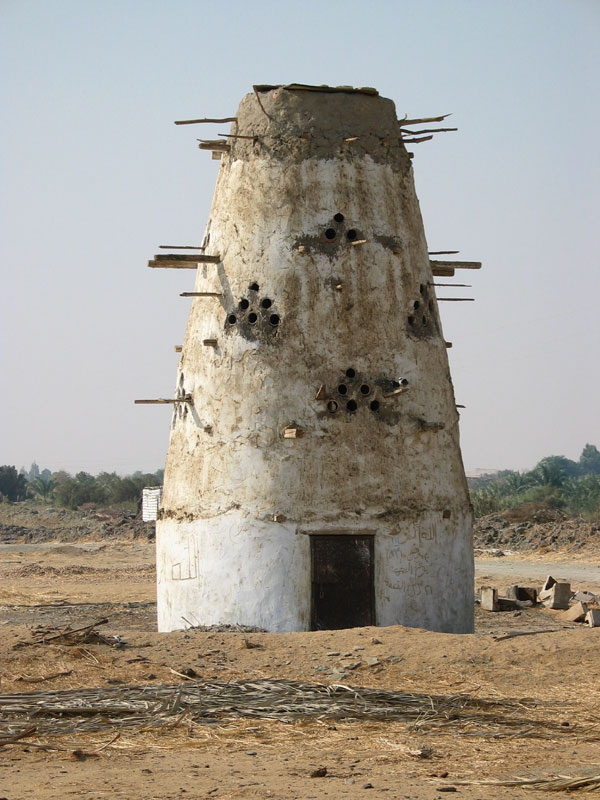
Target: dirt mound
29 522
550 531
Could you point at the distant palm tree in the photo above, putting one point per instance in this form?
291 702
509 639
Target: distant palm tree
43 487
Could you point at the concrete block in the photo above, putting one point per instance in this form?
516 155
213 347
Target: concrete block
489 598
548 583
593 617
576 613
522 593
558 596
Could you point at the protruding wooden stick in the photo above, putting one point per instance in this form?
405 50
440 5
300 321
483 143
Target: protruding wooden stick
442 272
200 294
455 299
191 257
234 136
178 348
430 130
180 247
456 264
443 252
448 344
422 120
217 147
452 285
209 342
358 241
207 119
187 398
417 141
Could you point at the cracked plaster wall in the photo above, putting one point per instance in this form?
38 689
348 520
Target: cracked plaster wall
397 469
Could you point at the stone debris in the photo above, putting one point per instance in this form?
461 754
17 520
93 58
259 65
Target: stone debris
557 596
593 617
489 598
576 613
371 661
553 594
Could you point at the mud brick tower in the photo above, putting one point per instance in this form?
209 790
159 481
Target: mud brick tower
314 476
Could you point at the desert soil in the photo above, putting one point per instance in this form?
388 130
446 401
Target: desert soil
553 669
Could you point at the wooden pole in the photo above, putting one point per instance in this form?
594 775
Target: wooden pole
442 272
456 264
421 120
444 252
166 401
178 348
455 299
200 294
192 257
180 247
207 119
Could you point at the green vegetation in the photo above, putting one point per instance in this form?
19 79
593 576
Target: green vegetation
69 491
556 482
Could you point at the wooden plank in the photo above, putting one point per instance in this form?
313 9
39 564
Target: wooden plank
445 272
421 120
455 299
209 342
196 258
455 264
216 148
206 119
178 348
180 247
444 252
200 294
166 401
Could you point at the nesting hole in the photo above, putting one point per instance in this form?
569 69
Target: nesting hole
365 389
338 217
351 405
447 513
350 373
431 305
351 235
342 389
232 319
374 405
411 320
330 234
424 320
266 303
416 305
332 406
274 319
252 318
422 289
253 287
244 304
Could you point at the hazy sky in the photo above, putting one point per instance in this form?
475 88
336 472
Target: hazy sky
95 176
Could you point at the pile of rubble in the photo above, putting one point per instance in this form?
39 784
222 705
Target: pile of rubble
553 530
576 606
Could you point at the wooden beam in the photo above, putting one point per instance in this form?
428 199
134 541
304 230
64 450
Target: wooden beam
166 401
206 119
444 252
219 147
180 247
193 258
234 136
209 342
453 285
421 120
442 272
456 264
455 299
178 348
200 294
448 344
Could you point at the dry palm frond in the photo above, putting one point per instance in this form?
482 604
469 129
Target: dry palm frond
554 783
166 706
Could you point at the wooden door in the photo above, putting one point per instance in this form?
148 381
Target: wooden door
343 588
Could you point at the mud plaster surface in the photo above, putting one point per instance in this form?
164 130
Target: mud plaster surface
369 308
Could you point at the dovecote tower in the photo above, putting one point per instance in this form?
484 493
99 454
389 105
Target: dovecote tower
314 478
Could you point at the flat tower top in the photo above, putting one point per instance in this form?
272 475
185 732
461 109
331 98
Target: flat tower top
305 87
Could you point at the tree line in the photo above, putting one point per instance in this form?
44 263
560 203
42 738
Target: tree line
555 482
73 491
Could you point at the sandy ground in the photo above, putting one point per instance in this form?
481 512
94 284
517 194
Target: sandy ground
554 666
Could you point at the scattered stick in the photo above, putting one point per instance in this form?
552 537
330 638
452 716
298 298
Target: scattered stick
207 119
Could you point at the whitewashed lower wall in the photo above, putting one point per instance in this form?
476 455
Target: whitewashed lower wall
239 570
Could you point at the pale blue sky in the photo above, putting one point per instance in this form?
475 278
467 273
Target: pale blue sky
95 176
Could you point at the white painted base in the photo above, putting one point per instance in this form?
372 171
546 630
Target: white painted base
234 569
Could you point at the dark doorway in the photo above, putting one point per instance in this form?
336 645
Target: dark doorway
343 587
